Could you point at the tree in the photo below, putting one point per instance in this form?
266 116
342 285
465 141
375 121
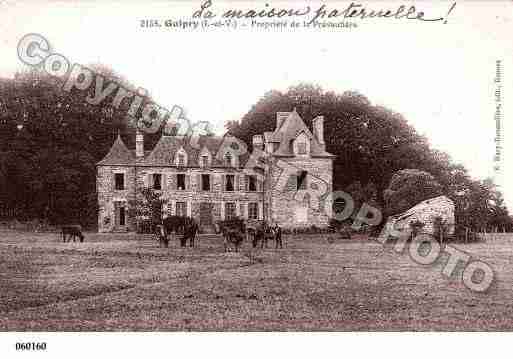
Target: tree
407 188
147 207
50 141
370 142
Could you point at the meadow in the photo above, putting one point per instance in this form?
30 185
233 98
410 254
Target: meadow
123 282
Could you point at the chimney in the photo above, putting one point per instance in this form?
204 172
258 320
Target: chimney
258 142
318 130
139 144
280 118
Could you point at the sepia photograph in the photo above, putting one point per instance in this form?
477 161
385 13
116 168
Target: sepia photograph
194 171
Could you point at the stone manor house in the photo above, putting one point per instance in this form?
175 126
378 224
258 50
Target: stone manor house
196 183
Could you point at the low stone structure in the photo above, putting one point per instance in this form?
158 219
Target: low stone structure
426 212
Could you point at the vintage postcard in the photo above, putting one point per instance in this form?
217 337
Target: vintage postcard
253 166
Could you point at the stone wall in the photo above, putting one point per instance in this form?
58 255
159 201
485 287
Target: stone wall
283 204
107 195
291 208
142 177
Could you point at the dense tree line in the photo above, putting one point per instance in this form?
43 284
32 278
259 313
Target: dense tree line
51 139
372 143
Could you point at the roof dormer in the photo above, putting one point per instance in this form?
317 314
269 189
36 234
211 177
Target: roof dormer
181 158
301 145
205 158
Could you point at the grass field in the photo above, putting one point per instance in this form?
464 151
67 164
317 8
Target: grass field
123 282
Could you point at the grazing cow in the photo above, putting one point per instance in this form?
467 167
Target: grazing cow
185 226
73 231
232 236
263 234
233 231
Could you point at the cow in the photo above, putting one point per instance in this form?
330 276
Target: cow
185 226
262 234
232 236
233 231
73 231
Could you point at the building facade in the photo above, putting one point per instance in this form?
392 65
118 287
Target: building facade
201 181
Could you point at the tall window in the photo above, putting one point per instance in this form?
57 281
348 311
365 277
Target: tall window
205 182
180 182
253 210
301 180
181 209
119 180
229 210
181 160
157 181
229 185
228 159
252 183
204 161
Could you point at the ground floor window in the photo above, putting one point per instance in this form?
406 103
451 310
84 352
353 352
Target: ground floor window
229 210
122 216
253 211
180 181
205 182
181 209
120 213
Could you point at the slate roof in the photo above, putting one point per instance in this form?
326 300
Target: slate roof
289 130
119 154
164 152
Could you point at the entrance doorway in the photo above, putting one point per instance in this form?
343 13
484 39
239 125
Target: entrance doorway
120 214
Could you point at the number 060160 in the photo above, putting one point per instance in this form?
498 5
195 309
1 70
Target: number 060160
31 346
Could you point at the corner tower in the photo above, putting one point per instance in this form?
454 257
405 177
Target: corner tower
301 173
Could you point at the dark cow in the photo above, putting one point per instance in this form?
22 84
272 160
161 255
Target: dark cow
263 233
233 231
186 227
232 236
73 231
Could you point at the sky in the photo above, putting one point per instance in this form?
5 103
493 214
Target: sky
439 76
